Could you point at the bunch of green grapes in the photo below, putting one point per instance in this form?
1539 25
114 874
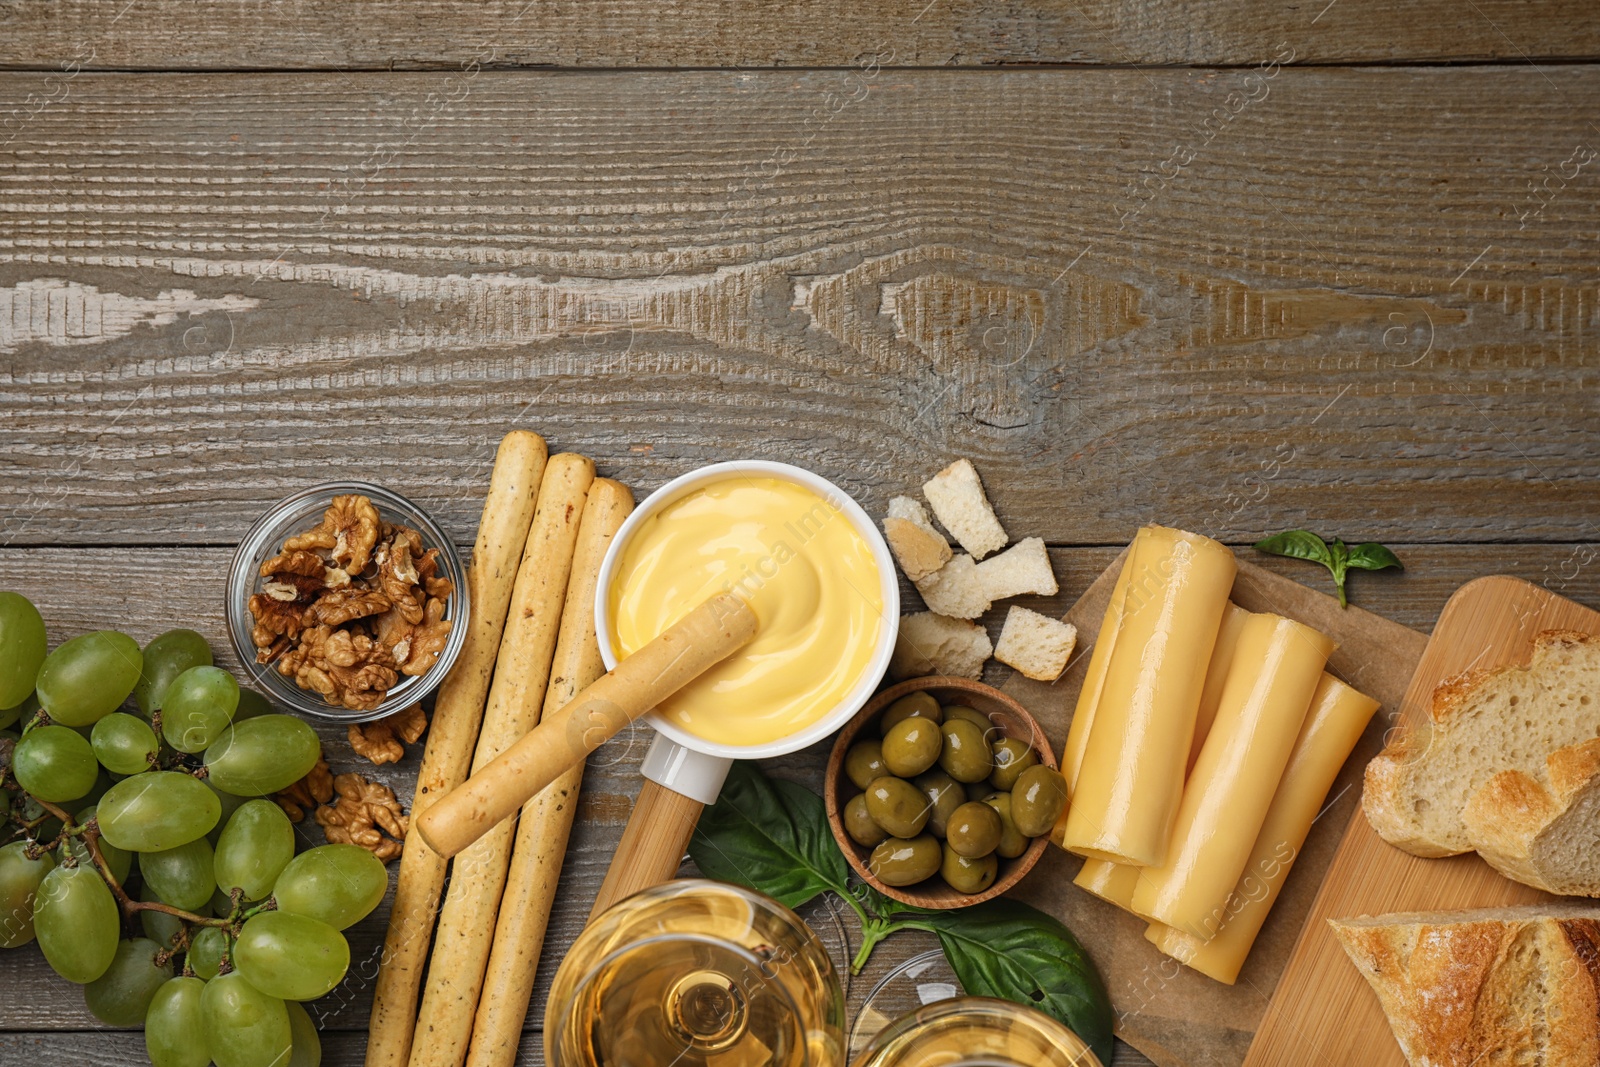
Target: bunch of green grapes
151 822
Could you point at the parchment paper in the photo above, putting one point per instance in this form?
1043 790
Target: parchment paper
1173 1015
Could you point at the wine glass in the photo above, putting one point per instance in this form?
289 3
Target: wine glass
976 1032
918 1016
695 973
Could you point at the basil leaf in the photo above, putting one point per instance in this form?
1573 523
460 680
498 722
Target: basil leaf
771 836
1298 544
1006 949
1372 556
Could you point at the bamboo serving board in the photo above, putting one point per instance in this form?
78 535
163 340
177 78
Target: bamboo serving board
1323 1011
1175 1016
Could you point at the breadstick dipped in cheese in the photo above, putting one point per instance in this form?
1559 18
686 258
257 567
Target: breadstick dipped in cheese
466 922
502 533
546 820
1333 726
1276 669
1130 781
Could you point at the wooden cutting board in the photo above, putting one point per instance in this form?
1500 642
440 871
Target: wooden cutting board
1173 1015
1323 1011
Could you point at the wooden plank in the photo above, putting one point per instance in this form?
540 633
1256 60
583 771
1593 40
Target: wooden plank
393 34
221 287
1324 1006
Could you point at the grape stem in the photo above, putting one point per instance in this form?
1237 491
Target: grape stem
90 833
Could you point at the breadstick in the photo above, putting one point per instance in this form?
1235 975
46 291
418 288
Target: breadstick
466 922
546 820
507 513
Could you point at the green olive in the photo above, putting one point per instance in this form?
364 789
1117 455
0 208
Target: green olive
972 715
978 790
899 861
964 754
911 746
910 706
974 829
1038 800
1013 842
897 806
864 762
945 796
1011 758
859 824
966 875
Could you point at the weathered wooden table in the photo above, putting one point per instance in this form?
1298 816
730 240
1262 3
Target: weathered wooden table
1237 267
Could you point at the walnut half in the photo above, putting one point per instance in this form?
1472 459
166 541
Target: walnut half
384 741
363 814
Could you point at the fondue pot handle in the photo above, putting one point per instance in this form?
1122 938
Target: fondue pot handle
678 783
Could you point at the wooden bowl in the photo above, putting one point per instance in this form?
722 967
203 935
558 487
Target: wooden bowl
1012 719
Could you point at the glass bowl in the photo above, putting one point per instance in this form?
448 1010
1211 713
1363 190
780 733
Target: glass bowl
297 513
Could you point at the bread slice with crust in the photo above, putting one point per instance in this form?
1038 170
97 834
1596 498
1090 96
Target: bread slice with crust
1495 987
1481 723
1543 833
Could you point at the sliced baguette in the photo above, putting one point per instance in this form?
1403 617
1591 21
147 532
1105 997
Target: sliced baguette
933 644
959 502
1495 987
917 546
1481 723
955 590
1543 833
1035 644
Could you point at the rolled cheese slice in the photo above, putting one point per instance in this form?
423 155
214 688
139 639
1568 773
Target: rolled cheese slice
1338 716
1275 672
1130 779
1094 681
1111 882
1216 677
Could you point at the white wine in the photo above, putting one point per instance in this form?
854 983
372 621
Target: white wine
696 973
976 1032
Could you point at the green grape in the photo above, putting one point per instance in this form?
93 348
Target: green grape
11 716
88 677
206 950
251 704
157 811
121 996
291 956
22 646
124 744
175 1025
165 930
230 804
19 888
77 922
119 861
335 884
255 847
198 707
307 1051
166 657
262 755
54 764
181 876
245 1027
